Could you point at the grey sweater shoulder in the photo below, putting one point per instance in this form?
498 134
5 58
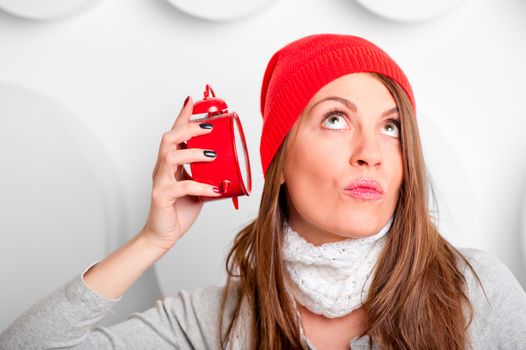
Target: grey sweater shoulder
188 320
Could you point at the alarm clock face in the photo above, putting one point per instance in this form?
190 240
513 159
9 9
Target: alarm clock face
242 155
46 9
410 10
220 10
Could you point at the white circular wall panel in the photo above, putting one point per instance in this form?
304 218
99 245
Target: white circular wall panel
523 227
220 10
410 10
46 9
60 203
458 205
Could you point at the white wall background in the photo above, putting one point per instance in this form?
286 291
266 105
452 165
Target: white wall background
84 100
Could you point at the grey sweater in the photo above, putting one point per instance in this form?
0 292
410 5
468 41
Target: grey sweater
66 317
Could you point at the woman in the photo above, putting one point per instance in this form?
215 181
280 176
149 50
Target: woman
343 253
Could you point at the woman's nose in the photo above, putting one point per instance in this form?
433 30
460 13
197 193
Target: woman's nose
366 149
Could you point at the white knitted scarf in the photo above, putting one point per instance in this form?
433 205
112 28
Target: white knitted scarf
331 279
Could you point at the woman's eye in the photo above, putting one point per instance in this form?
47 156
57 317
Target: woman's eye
335 120
393 126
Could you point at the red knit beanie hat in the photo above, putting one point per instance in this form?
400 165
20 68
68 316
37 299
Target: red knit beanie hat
301 68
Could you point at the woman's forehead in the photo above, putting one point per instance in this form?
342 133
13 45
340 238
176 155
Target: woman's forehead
349 85
356 94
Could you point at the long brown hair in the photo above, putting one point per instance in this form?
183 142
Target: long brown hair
417 268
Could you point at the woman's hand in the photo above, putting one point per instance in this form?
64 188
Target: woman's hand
175 204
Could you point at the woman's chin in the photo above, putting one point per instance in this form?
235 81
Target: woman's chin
359 225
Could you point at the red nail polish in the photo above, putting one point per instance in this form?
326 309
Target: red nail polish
186 101
217 190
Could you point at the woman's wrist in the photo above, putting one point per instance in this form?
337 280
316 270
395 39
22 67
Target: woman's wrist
116 273
154 243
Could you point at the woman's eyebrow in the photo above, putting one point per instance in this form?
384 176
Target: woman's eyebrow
390 111
350 105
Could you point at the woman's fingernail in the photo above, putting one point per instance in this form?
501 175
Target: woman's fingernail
186 101
206 125
209 153
217 190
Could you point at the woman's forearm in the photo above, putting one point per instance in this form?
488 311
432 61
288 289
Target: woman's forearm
116 273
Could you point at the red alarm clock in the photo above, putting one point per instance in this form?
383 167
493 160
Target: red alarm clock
230 170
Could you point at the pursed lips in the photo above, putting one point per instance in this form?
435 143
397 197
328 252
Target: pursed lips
366 189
